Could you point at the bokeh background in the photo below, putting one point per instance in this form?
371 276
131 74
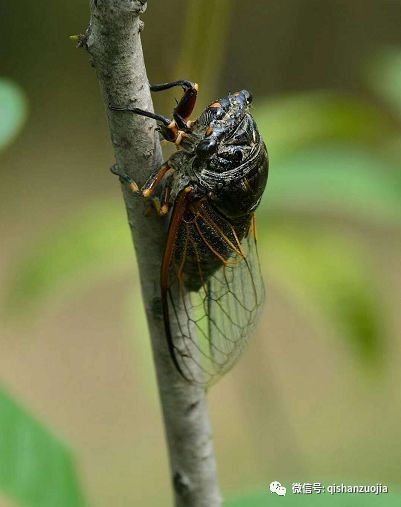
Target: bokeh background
316 397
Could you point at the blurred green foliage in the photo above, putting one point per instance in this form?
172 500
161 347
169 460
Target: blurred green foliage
13 111
307 119
323 274
36 469
334 158
92 244
355 182
384 77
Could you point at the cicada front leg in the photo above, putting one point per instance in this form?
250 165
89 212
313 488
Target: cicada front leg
167 127
186 105
181 124
172 130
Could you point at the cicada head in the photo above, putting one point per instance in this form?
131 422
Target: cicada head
219 121
225 133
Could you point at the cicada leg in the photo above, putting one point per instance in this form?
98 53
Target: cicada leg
154 179
165 199
161 205
168 127
124 178
176 129
186 105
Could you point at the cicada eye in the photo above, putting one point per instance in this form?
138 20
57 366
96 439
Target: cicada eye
237 156
248 96
206 148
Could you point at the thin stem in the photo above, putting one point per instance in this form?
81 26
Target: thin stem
113 41
204 42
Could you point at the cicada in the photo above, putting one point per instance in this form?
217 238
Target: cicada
210 281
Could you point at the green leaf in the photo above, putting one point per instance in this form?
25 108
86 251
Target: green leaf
336 179
384 76
13 111
267 499
36 469
94 243
296 121
332 281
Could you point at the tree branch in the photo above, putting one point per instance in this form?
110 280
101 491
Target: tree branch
113 41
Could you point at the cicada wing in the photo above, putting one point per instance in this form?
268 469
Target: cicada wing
212 294
235 297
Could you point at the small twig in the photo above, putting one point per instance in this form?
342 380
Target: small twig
203 56
114 44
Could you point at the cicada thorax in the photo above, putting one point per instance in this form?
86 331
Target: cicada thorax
232 165
205 242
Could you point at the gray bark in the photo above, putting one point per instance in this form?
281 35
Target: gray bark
113 41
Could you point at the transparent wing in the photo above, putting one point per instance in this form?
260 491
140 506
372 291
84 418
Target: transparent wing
213 295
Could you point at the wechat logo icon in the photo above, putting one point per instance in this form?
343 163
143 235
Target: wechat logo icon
276 487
